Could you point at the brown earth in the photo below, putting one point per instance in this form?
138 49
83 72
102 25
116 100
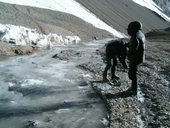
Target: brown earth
7 49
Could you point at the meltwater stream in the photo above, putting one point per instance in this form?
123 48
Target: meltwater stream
38 90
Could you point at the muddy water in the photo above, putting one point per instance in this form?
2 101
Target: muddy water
40 91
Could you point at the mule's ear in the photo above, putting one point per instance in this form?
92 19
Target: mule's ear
126 44
122 42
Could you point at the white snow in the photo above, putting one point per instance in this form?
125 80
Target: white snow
140 95
140 122
25 36
26 82
29 82
104 121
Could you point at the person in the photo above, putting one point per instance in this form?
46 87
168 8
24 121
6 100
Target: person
136 52
115 49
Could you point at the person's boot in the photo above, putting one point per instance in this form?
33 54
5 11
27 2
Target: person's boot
105 79
115 77
132 91
134 87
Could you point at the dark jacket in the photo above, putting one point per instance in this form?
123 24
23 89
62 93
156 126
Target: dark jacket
136 52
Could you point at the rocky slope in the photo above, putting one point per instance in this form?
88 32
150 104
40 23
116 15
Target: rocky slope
118 14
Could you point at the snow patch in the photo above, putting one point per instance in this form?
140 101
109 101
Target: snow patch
29 82
20 35
140 122
140 95
105 121
62 110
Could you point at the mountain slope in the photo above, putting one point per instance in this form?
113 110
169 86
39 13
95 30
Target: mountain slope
48 21
118 13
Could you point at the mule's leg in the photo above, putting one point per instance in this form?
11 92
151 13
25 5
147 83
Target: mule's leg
113 68
123 55
108 65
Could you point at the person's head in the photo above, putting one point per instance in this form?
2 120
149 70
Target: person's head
133 27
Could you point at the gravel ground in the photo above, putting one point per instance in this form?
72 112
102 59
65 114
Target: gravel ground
151 107
7 49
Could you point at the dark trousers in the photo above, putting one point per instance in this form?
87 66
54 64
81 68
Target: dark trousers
133 70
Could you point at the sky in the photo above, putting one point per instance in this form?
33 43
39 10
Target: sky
74 8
